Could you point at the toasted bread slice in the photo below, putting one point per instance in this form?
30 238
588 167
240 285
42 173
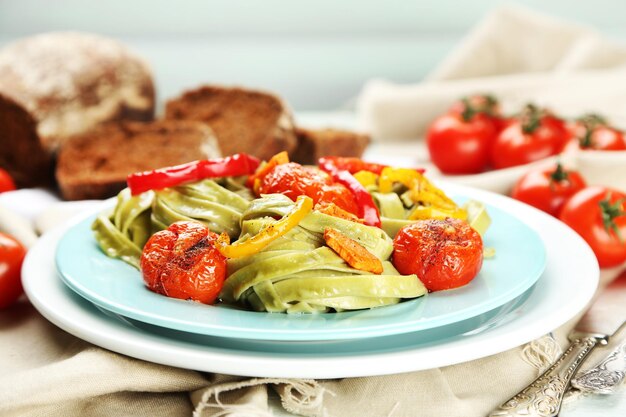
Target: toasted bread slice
243 120
95 165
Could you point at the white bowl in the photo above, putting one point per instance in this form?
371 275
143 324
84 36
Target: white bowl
602 167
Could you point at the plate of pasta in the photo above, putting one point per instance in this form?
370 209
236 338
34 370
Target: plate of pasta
286 277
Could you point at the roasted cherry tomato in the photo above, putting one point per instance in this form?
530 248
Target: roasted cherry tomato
598 214
460 141
6 182
534 135
444 254
181 262
548 188
293 179
11 257
592 132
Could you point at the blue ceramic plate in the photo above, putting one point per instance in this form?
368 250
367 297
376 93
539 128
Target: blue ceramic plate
117 287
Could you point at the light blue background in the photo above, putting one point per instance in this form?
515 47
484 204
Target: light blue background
317 54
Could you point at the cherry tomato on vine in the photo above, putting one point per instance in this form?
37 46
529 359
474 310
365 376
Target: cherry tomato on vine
533 135
6 182
548 188
444 254
593 132
181 262
598 215
459 141
11 257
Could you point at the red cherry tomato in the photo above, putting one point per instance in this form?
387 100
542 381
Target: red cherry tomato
604 138
293 180
181 262
559 129
598 214
593 132
11 257
6 182
478 103
444 254
599 138
532 136
459 142
548 188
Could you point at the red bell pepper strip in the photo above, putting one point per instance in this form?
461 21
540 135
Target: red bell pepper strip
367 208
354 165
231 166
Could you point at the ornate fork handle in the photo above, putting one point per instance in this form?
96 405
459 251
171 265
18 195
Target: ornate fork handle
605 377
543 397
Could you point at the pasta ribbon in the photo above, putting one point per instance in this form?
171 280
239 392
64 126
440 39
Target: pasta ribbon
270 233
298 273
123 231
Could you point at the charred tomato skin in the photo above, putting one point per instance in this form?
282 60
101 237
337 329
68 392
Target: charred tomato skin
444 254
181 262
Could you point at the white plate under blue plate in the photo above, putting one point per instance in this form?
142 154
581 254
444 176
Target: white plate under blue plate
113 285
564 289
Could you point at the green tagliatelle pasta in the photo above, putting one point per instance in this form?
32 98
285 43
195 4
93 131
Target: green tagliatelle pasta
393 214
203 201
123 231
298 273
395 210
295 273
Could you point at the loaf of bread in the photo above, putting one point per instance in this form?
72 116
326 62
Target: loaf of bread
244 120
314 144
95 165
67 83
21 152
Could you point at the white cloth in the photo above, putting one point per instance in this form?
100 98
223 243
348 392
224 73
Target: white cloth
519 56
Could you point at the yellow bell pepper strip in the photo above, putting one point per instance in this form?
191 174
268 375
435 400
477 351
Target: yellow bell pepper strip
267 235
231 166
435 203
367 208
254 181
366 178
390 175
433 212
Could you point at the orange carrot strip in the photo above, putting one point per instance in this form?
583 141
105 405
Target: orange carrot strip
352 252
334 210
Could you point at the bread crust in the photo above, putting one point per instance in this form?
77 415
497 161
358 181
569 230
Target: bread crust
316 143
244 120
56 85
22 154
95 165
70 82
